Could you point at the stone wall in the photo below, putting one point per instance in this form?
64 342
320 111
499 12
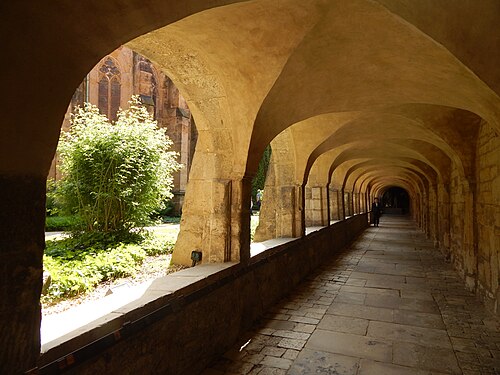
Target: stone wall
316 206
463 219
457 222
21 248
191 332
488 216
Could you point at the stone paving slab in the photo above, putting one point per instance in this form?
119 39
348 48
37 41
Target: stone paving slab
386 305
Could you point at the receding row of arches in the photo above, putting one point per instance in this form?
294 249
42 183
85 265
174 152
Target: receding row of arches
354 98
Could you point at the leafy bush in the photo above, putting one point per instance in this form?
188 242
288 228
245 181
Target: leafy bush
87 269
90 242
158 246
78 264
259 180
52 206
60 223
167 210
115 174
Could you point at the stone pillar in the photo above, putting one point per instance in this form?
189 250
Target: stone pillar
470 235
185 145
281 214
335 205
425 212
418 208
308 205
216 221
433 217
444 219
355 197
342 199
348 203
22 219
328 205
316 206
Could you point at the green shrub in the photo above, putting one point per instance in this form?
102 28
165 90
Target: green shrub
115 174
259 181
158 246
76 272
78 264
52 205
90 242
166 211
60 223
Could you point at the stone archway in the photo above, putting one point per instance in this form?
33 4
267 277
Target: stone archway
250 70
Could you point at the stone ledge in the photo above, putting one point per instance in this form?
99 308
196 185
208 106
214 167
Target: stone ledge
163 291
175 317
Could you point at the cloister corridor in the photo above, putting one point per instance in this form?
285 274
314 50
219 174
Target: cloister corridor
388 304
358 101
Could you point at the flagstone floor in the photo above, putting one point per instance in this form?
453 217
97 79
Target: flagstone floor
386 305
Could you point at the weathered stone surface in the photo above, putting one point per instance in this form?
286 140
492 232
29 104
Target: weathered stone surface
426 358
216 329
313 361
458 336
22 219
371 94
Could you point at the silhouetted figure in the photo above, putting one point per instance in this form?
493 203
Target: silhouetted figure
376 211
259 196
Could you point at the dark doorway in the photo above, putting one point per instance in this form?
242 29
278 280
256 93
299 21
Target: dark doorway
396 201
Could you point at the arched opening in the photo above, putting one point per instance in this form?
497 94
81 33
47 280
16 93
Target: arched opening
249 80
109 86
258 191
396 200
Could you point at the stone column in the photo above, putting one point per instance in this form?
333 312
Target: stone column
342 199
347 203
281 214
308 205
22 219
335 204
422 209
185 145
215 221
332 201
427 214
470 237
444 219
316 206
355 197
433 214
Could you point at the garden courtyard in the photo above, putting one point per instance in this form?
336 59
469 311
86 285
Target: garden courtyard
150 268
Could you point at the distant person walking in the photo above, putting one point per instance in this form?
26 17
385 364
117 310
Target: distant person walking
376 211
258 197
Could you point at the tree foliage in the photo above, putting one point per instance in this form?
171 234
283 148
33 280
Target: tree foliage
115 174
259 180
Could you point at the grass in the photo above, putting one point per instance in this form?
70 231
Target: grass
59 223
77 265
77 268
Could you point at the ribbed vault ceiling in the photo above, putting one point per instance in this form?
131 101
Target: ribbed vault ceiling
366 97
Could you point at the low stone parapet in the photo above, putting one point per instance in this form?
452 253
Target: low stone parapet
185 320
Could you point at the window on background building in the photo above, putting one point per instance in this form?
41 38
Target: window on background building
109 88
147 85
